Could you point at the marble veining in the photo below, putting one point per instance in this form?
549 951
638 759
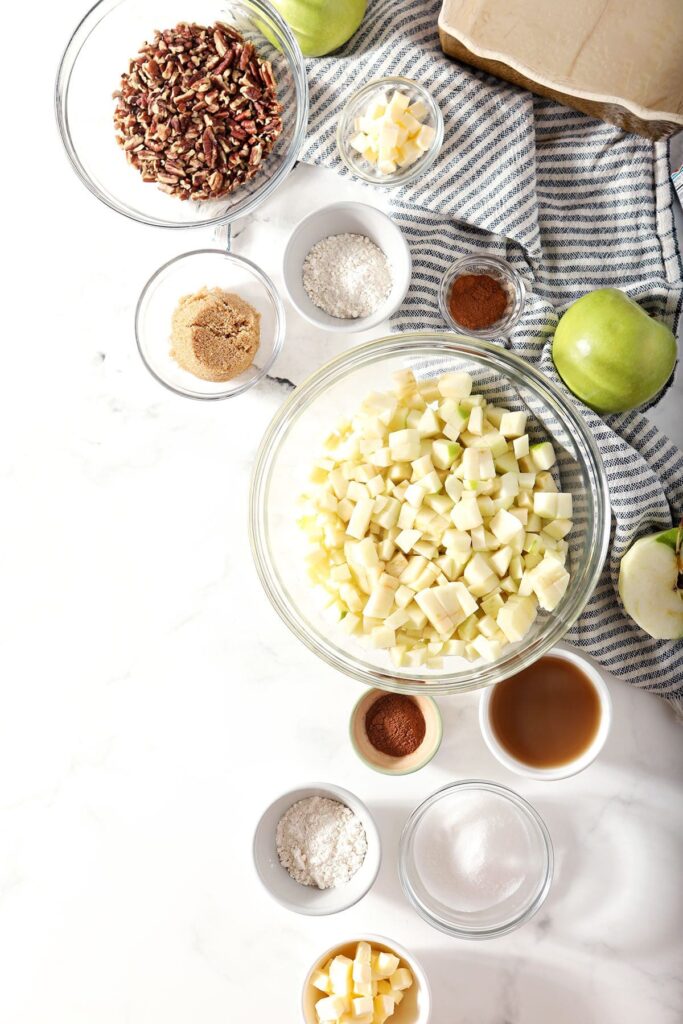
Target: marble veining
153 702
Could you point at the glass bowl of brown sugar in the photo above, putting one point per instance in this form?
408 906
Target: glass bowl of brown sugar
482 295
188 277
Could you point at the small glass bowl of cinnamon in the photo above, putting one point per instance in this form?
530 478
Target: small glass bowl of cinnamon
482 296
395 734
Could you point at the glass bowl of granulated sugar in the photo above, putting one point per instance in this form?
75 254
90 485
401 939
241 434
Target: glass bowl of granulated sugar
317 850
475 860
347 267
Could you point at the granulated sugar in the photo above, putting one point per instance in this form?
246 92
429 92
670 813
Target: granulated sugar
347 276
472 851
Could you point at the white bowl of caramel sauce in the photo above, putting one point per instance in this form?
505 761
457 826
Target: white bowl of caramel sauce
549 721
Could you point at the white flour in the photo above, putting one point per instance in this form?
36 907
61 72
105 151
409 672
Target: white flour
347 276
320 842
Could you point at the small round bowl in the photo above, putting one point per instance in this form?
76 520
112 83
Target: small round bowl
183 275
307 899
294 439
563 771
517 907
339 219
355 107
507 276
90 70
384 763
414 1008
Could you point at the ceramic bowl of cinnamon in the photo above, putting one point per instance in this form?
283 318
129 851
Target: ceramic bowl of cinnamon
482 295
395 733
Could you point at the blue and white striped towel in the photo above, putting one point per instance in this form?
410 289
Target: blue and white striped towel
573 204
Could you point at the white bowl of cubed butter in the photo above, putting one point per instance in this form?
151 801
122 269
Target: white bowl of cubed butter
367 980
390 131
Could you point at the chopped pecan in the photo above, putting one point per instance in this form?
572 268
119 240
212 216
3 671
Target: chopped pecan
197 111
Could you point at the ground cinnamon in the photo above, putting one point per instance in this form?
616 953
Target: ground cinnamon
395 725
477 301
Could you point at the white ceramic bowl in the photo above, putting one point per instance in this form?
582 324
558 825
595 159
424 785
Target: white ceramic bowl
416 1005
339 219
305 899
571 767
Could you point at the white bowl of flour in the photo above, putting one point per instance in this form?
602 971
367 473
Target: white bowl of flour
335 256
329 843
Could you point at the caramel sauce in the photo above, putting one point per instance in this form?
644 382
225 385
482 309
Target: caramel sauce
546 715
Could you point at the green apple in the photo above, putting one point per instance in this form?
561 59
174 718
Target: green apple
322 26
610 353
650 582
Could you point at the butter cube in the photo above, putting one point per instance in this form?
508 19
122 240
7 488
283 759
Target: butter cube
340 976
402 136
359 142
383 1008
364 952
383 988
388 134
361 1006
321 980
365 988
409 154
387 963
386 166
331 1008
401 979
411 124
425 137
376 107
366 124
397 995
398 103
362 973
418 110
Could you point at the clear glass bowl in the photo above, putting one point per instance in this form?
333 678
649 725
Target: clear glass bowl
294 440
90 70
355 107
530 852
507 276
184 275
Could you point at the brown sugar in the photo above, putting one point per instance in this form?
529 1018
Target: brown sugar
215 334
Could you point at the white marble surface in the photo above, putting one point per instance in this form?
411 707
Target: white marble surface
153 703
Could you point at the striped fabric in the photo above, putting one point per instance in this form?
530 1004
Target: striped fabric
573 204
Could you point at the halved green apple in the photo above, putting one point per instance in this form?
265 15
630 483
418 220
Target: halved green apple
651 584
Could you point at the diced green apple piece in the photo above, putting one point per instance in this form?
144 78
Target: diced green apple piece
542 455
455 385
466 514
520 446
505 526
444 453
513 424
516 617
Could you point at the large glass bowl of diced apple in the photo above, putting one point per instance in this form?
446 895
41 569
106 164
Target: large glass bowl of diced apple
429 510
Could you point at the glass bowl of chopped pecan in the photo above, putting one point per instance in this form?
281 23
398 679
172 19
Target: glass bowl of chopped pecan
179 123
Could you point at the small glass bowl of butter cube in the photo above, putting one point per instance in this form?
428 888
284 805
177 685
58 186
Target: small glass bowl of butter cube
390 132
366 980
